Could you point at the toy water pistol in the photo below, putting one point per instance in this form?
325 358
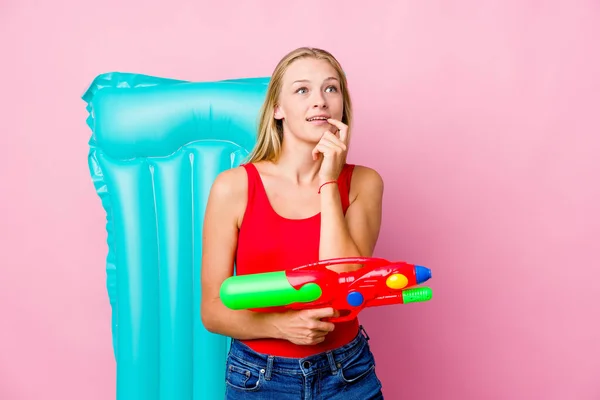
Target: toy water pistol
378 282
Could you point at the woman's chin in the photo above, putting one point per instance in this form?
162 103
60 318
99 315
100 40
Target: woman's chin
317 131
311 134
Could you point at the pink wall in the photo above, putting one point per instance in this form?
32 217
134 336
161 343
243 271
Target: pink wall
479 117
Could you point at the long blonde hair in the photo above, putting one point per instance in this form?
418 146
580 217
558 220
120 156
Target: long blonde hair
270 130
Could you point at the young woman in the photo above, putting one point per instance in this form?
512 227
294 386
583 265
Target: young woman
294 202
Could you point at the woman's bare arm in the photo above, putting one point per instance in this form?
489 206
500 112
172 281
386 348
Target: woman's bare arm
356 234
226 204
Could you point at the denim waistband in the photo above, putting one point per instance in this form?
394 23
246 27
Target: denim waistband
298 366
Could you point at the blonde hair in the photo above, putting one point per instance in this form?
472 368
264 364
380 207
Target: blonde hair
270 130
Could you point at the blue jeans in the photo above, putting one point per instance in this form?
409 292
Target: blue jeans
347 372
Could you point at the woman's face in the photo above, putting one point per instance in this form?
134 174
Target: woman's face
310 94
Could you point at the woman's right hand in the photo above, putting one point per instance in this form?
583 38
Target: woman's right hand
304 327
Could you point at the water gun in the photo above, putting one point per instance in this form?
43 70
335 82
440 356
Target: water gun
379 282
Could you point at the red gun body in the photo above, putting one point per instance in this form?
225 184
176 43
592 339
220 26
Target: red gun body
379 282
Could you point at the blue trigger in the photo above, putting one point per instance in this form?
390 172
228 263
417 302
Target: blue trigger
355 299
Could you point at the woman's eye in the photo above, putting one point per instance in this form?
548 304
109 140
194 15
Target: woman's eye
329 89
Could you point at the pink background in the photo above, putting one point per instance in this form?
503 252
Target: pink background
481 116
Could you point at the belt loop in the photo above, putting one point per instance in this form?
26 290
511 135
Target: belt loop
332 364
361 329
269 367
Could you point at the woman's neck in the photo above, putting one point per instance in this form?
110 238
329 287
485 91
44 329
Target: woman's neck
297 164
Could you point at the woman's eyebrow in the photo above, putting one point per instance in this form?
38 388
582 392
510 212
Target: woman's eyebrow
331 78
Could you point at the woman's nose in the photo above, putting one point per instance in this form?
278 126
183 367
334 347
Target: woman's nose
319 101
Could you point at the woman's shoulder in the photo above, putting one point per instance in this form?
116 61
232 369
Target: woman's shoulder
365 177
231 182
230 191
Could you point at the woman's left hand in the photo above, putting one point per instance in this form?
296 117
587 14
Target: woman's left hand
334 148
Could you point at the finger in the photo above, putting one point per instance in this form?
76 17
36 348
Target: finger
319 313
313 341
317 333
334 147
316 325
321 147
333 142
343 129
325 327
324 148
315 152
333 139
337 123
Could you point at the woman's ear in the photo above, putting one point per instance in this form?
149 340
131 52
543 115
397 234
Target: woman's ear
277 113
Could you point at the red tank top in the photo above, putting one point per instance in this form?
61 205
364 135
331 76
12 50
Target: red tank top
268 242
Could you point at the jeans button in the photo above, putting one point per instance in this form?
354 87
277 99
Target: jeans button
306 364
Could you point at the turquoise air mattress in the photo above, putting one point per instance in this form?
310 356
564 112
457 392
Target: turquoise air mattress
156 147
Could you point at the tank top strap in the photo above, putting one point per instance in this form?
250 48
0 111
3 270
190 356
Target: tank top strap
344 181
253 181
